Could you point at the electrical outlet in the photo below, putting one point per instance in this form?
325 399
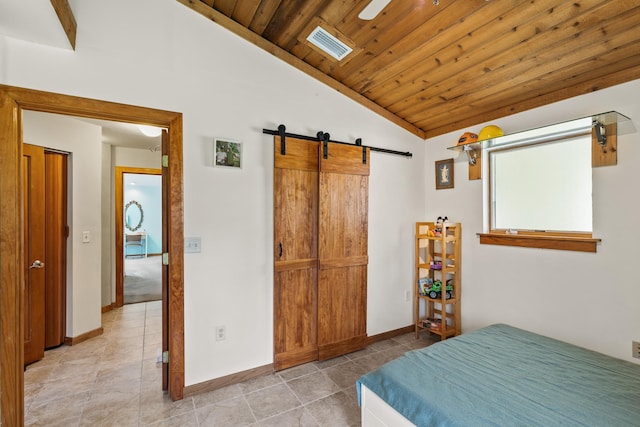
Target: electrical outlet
635 349
221 333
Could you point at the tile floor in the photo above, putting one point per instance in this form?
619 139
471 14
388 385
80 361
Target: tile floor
113 380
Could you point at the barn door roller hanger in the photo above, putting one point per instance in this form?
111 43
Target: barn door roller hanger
325 138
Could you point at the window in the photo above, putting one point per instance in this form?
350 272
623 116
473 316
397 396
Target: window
542 187
539 186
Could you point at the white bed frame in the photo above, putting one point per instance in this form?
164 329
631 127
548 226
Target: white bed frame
375 412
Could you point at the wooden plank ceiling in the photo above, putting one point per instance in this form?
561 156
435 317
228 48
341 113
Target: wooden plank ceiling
433 68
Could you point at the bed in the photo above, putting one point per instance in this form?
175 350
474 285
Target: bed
501 376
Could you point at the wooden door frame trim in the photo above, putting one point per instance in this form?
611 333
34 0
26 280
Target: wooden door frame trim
119 224
12 101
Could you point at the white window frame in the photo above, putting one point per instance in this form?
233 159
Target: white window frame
543 187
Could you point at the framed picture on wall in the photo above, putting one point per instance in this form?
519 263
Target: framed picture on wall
227 153
444 174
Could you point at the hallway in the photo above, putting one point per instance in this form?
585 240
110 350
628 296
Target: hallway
109 380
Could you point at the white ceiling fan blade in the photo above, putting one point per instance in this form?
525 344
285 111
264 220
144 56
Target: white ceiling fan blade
373 9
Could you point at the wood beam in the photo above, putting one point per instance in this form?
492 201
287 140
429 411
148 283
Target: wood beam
68 21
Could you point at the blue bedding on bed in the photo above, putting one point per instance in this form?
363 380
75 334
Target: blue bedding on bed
504 376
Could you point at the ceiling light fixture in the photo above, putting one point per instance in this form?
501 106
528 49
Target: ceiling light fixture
150 131
374 8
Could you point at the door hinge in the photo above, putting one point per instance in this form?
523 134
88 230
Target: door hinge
165 357
165 161
165 258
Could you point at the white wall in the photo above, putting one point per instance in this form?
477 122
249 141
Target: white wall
592 300
163 55
107 265
3 64
135 158
84 142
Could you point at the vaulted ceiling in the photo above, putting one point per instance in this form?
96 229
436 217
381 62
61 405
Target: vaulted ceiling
434 68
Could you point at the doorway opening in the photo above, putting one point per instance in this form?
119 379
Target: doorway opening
13 101
139 219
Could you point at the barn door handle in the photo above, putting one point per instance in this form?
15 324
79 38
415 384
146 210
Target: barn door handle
283 144
280 244
37 264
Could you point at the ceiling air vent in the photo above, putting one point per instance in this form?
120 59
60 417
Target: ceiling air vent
328 43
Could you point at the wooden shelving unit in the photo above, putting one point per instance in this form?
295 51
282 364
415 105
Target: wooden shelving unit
438 262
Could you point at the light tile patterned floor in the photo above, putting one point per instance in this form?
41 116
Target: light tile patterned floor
113 380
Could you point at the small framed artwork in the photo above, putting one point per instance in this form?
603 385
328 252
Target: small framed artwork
227 153
444 174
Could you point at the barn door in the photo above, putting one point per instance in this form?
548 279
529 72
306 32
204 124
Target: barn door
295 252
34 251
342 249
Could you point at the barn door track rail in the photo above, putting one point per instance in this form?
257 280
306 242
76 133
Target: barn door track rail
325 138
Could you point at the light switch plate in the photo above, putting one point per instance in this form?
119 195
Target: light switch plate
192 245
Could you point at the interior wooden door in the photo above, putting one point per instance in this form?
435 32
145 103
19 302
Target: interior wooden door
295 252
342 249
165 268
34 251
56 234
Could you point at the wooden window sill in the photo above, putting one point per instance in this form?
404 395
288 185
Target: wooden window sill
564 243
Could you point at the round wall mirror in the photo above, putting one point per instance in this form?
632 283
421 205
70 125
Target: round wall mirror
133 215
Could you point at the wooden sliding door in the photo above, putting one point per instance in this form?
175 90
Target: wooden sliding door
320 250
342 249
56 234
295 253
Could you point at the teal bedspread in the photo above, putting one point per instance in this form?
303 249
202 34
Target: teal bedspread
504 376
